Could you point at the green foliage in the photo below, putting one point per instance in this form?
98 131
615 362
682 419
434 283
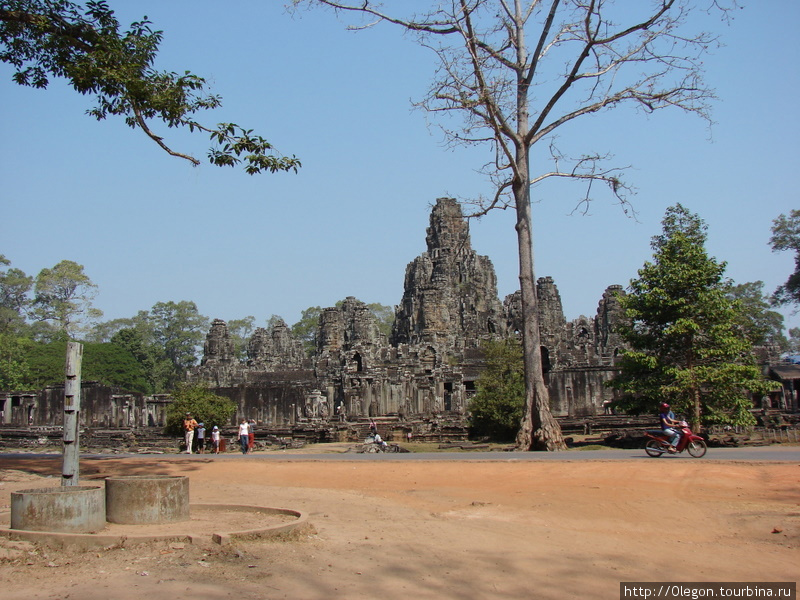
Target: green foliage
688 346
14 301
46 363
205 406
306 328
46 333
235 144
63 297
794 340
138 339
150 358
109 364
106 330
114 365
43 39
495 411
164 341
384 315
14 370
761 325
240 330
179 329
786 236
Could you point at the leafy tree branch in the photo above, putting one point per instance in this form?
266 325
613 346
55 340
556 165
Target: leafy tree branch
44 39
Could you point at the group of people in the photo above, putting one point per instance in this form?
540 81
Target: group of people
669 424
195 435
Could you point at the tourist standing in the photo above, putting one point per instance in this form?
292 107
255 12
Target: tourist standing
251 439
244 435
189 425
215 439
201 438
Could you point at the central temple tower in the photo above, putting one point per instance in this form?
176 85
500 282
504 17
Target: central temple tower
450 296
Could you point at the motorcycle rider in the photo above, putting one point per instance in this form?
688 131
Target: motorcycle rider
668 426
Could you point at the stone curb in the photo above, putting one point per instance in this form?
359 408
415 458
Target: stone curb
92 540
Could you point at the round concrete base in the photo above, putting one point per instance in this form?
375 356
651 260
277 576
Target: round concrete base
215 523
143 499
76 509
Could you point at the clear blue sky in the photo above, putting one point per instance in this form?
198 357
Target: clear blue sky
150 228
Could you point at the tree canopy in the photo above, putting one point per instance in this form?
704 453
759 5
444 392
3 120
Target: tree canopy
786 236
109 364
240 330
56 304
761 325
63 297
165 340
148 352
687 344
85 45
15 287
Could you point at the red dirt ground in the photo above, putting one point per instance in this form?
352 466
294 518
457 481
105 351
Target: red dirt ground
434 530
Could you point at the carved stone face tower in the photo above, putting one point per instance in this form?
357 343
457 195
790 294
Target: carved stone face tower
450 295
275 348
347 326
449 231
218 348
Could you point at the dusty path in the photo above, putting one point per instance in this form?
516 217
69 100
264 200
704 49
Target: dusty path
468 530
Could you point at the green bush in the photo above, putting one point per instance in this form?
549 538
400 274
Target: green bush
496 410
206 407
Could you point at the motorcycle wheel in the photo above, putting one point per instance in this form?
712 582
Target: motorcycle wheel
654 449
696 448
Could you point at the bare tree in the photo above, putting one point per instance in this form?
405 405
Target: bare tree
584 56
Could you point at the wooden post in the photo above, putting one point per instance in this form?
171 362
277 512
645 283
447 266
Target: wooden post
70 471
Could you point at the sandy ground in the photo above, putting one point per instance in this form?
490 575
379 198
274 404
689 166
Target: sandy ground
426 529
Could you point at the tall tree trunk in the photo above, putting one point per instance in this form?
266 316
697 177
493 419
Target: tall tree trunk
696 426
538 429
695 390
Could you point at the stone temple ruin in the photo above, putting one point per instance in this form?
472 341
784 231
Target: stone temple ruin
418 380
427 368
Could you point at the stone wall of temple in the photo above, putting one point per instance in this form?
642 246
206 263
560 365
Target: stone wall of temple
429 364
101 406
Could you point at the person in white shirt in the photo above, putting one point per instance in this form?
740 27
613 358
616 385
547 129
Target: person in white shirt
244 435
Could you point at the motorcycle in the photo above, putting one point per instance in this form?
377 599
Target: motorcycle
658 443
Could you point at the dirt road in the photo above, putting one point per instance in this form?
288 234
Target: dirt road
434 530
